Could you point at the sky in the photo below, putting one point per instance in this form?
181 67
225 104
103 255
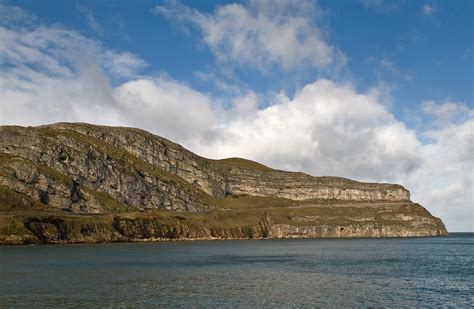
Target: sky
372 90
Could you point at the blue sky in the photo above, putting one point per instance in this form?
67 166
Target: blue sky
419 55
372 90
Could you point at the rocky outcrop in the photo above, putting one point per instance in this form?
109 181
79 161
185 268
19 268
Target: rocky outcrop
299 186
70 229
352 231
97 171
57 158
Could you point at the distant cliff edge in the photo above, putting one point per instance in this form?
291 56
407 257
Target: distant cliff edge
75 182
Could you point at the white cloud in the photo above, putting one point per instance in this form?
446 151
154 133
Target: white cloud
385 64
325 129
244 105
444 181
122 65
50 74
165 107
382 6
447 112
11 14
90 19
428 9
261 33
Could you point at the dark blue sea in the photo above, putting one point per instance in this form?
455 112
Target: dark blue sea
414 272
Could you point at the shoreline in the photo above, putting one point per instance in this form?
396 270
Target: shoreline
170 240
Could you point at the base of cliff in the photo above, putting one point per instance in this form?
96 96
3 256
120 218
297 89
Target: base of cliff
317 221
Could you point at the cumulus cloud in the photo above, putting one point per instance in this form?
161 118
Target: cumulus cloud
166 107
122 65
261 33
325 129
444 181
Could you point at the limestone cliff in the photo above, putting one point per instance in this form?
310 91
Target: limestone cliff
72 182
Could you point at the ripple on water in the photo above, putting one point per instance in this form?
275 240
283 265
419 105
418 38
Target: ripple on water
431 272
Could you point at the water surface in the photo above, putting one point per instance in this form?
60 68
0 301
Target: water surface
431 272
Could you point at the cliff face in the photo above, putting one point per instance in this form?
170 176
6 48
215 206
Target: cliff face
65 170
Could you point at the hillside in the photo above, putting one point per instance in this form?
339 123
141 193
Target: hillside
74 182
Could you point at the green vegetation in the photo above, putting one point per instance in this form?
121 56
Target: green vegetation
110 204
240 163
4 158
75 224
249 202
63 156
121 155
11 201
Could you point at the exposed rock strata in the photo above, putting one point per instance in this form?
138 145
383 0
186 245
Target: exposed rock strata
64 229
87 169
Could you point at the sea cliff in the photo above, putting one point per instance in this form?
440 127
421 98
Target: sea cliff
75 182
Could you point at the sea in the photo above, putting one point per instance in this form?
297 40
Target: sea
294 273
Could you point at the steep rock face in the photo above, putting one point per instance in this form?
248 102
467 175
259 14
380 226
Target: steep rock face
72 168
352 231
87 145
299 186
156 151
91 165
